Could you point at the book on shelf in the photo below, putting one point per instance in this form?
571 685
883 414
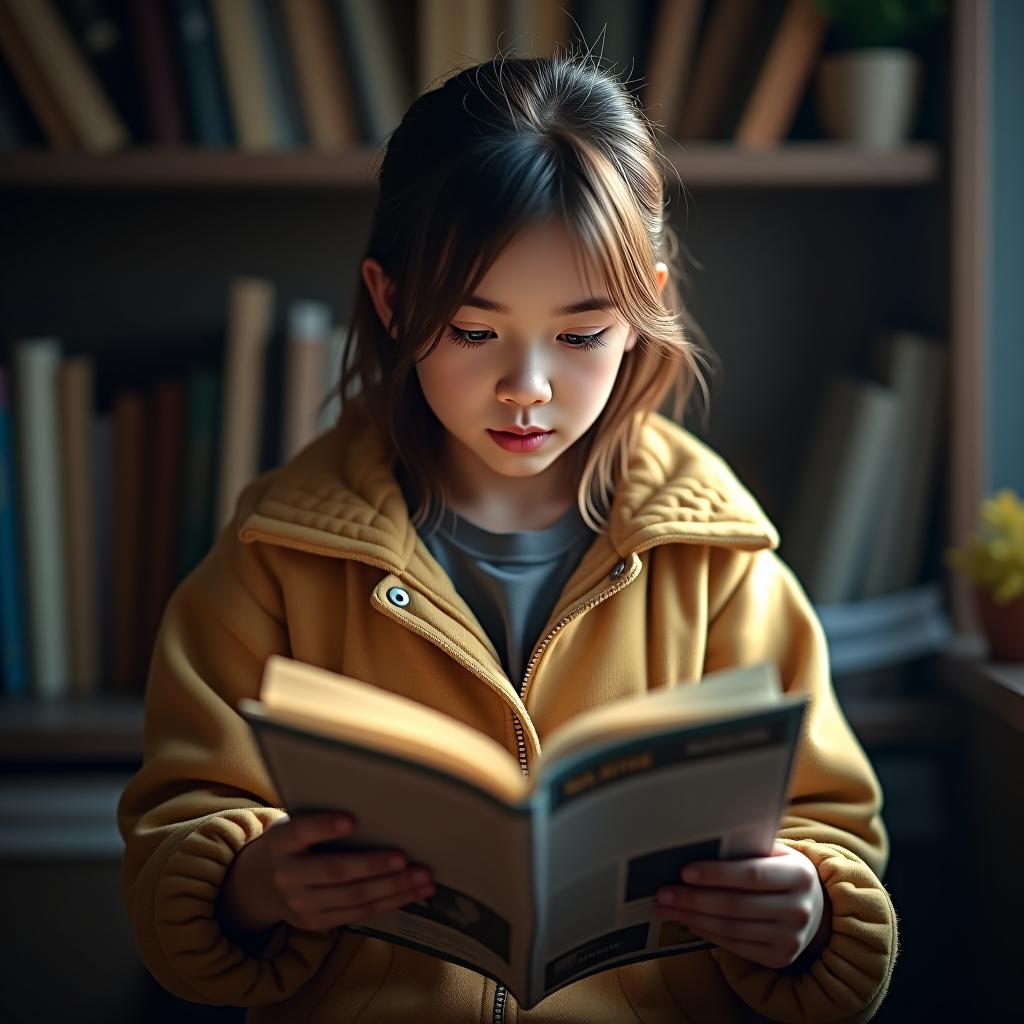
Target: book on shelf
285 106
202 74
249 328
36 89
324 86
859 522
73 84
305 373
575 852
724 48
159 73
783 76
35 363
103 495
843 480
102 33
381 87
199 470
161 503
670 60
914 366
534 27
127 566
76 395
248 75
452 34
16 676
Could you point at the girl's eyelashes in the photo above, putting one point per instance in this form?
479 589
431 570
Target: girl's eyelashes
466 338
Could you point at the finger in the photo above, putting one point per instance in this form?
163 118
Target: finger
730 928
735 904
294 835
340 868
355 894
334 916
759 952
762 874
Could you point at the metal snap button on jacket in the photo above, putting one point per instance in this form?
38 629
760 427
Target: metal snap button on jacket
399 597
619 569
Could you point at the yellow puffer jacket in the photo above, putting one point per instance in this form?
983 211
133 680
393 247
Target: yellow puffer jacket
687 581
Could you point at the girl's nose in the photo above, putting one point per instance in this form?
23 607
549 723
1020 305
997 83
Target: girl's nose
526 383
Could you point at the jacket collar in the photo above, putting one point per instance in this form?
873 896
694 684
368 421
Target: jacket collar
340 496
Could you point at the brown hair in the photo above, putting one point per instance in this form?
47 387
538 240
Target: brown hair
499 146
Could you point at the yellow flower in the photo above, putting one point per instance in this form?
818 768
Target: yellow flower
993 556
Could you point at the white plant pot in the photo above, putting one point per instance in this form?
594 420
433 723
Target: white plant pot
870 96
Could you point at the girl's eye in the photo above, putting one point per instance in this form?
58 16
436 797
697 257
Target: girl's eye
469 339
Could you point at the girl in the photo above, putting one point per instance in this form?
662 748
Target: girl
503 526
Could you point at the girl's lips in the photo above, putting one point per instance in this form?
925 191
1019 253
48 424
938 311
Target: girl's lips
520 442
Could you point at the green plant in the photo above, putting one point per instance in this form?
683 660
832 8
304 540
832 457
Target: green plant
881 22
993 557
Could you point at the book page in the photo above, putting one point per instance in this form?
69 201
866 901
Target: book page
479 850
719 694
325 702
623 823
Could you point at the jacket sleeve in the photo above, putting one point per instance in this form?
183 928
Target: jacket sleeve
759 612
202 792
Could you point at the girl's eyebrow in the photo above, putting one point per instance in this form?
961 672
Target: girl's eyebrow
594 302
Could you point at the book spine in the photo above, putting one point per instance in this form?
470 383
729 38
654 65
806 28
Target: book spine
246 73
783 79
673 45
76 388
130 443
95 120
103 523
309 325
168 403
382 92
205 91
36 363
202 416
285 109
101 31
842 483
16 676
250 322
159 72
324 89
38 91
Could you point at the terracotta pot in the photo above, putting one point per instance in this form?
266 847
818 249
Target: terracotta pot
1003 625
869 96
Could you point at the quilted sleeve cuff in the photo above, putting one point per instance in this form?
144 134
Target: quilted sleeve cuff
181 939
848 980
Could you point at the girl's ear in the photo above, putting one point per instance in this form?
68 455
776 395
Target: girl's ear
661 273
381 289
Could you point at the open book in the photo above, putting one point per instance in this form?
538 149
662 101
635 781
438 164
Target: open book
540 880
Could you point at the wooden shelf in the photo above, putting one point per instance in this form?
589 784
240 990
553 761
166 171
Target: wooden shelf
78 730
712 165
109 729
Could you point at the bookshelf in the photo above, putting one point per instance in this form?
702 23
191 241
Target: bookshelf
798 254
825 242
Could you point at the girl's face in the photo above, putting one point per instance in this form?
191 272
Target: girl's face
530 349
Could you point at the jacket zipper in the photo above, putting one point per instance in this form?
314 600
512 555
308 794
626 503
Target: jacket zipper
501 992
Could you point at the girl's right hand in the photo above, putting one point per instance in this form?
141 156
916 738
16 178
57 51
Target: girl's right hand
277 877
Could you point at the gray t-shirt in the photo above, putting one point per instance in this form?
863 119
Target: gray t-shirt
511 581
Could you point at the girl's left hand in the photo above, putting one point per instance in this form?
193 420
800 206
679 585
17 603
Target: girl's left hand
766 909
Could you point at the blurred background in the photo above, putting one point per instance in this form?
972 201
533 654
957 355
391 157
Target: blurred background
186 187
